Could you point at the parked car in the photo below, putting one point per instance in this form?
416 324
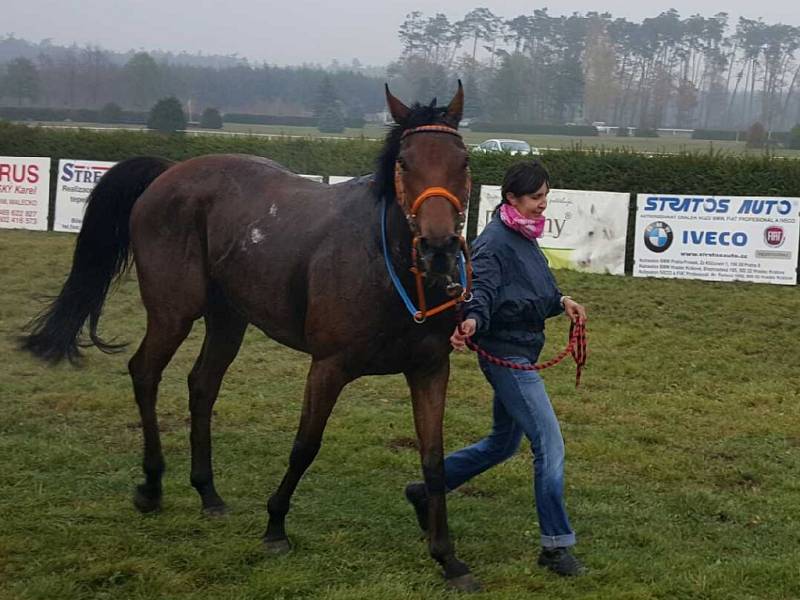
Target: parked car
510 146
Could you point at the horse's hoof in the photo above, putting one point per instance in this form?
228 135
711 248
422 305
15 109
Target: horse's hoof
214 512
277 547
464 583
144 502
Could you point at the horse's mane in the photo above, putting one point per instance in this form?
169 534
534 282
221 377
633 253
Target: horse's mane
420 114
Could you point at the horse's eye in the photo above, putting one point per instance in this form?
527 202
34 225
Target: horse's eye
402 162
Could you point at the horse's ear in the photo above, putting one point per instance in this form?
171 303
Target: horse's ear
456 107
397 109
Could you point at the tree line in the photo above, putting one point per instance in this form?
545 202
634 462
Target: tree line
45 75
665 71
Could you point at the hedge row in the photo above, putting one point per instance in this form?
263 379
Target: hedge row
87 115
615 171
612 170
79 115
719 135
732 135
248 119
576 130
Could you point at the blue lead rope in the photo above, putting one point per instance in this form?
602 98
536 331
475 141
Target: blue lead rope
393 275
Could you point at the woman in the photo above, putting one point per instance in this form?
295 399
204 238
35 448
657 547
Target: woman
514 292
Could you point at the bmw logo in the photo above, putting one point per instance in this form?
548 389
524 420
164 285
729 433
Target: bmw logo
658 236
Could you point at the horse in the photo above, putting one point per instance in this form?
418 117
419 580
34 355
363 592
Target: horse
239 239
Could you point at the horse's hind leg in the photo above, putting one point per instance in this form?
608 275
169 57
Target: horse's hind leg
162 339
324 383
224 332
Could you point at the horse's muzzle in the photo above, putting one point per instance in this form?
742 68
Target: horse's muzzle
438 261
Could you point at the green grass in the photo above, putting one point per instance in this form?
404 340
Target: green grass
683 448
665 144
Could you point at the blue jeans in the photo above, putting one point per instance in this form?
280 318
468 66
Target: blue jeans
521 406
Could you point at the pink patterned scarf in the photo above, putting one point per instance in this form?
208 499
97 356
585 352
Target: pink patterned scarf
513 219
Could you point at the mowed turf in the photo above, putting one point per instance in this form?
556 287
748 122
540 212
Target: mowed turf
683 459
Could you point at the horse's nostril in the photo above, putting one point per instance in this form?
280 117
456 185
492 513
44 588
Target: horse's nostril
452 244
438 253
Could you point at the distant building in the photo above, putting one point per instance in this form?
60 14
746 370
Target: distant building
383 117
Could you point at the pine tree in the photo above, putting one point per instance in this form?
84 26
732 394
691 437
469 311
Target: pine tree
473 106
328 108
21 80
756 135
143 77
794 137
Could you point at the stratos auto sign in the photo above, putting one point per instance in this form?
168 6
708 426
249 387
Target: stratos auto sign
717 238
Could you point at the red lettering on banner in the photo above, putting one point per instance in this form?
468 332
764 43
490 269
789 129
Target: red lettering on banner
19 173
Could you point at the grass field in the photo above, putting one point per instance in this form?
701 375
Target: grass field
666 144
683 454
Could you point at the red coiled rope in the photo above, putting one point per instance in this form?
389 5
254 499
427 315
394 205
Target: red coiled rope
577 347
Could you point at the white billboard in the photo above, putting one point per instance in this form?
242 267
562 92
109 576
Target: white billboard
717 238
317 178
24 192
487 201
334 179
585 230
76 180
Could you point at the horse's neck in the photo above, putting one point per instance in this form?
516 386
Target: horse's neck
398 235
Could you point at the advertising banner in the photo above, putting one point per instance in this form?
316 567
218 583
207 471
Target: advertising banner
317 178
487 202
717 238
584 230
24 192
76 180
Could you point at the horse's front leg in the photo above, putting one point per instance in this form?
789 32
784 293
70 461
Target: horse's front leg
325 381
428 391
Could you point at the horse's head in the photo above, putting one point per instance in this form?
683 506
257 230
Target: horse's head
432 184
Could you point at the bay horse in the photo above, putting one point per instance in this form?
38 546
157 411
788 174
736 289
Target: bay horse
239 239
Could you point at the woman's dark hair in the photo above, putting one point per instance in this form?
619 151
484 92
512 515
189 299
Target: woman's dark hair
524 178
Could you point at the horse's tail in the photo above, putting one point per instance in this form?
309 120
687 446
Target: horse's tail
101 255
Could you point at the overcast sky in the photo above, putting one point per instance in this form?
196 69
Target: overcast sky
301 31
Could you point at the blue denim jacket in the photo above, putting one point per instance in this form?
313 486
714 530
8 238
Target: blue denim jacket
513 290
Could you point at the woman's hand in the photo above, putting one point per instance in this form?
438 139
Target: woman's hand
459 340
573 310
